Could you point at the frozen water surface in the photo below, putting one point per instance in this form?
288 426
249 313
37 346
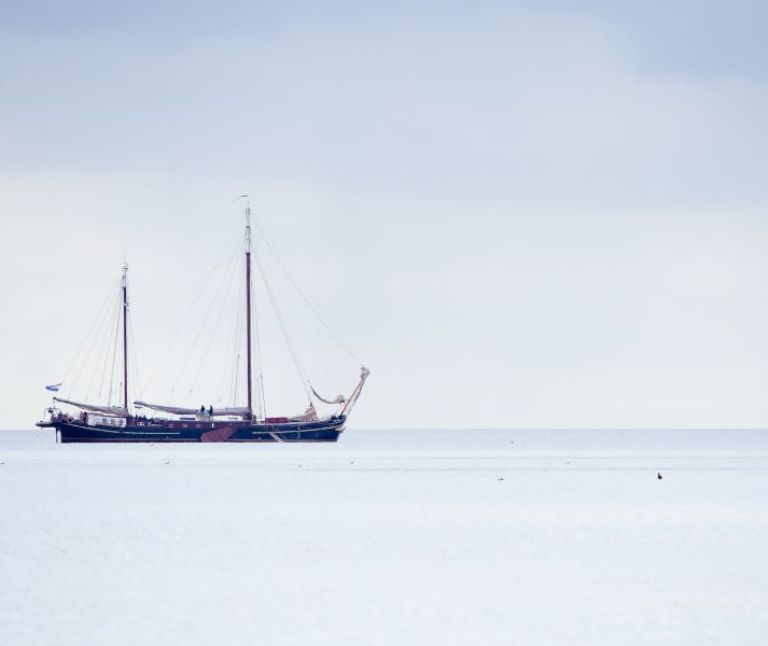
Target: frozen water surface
388 537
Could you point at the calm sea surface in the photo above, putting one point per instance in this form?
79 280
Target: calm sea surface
416 537
620 441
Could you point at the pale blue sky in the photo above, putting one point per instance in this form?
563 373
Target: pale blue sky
520 214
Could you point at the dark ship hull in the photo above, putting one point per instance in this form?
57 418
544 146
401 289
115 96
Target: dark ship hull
135 430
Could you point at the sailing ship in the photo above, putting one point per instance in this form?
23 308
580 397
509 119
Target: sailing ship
117 423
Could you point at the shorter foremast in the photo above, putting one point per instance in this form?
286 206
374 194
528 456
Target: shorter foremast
115 411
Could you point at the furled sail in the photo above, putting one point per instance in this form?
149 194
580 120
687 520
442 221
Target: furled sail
176 410
339 398
120 411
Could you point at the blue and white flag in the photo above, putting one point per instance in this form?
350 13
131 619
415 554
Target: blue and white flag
54 387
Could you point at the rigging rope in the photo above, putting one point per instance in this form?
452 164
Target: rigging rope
114 354
222 255
235 361
225 299
306 295
234 381
133 354
302 331
104 338
200 331
90 339
261 401
104 371
283 327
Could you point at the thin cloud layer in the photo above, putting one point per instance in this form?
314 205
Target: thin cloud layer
534 211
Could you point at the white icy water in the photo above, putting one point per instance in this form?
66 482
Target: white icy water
388 537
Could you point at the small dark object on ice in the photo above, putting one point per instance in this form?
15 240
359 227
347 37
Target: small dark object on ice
499 479
167 462
658 476
351 462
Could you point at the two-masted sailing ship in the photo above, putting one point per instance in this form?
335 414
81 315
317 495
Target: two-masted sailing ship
117 423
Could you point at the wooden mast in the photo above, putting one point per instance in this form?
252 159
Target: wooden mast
248 304
125 337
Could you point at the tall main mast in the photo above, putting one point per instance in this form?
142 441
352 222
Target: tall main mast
125 337
248 303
